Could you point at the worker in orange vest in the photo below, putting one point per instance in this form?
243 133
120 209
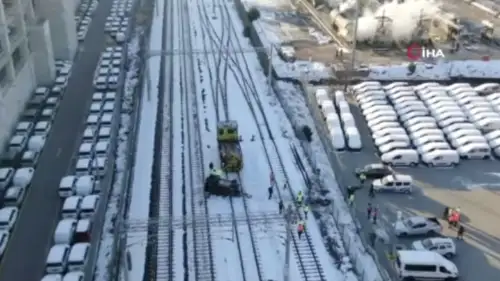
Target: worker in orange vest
300 229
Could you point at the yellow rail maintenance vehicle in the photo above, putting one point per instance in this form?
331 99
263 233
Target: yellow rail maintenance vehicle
229 146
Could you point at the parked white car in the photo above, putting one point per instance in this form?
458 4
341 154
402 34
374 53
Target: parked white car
393 183
417 226
442 245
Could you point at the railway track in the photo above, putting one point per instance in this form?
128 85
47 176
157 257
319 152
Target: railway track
309 265
221 42
200 241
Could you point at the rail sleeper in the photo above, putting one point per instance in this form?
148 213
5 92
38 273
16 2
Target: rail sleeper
203 253
308 262
163 259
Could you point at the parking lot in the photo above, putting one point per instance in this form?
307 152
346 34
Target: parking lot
472 185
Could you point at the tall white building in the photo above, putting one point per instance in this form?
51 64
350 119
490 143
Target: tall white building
33 33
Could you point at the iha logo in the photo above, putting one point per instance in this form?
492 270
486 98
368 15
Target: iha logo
417 52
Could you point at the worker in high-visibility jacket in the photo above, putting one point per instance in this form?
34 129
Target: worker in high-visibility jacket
300 198
306 210
300 228
214 171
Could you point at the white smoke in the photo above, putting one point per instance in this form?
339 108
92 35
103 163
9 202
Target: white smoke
404 18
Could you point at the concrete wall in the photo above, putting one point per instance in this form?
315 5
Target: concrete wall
61 16
43 55
14 100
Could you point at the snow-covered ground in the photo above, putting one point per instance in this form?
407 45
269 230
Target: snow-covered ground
138 212
122 155
337 223
268 28
255 174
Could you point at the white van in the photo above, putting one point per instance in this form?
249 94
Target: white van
455 86
73 276
429 147
321 96
8 217
52 277
370 109
467 140
71 207
353 138
442 157
65 231
426 265
338 140
36 143
426 132
14 196
458 126
488 123
327 107
387 139
380 113
6 175
367 84
464 133
475 151
332 121
78 256
85 185
67 186
23 177
89 205
417 120
393 145
423 86
57 259
421 126
394 85
339 97
386 125
401 157
429 139
387 132
382 119
82 166
347 120
4 240
394 183
343 107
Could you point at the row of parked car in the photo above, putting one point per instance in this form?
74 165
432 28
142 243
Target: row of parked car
80 191
430 122
118 22
108 74
339 120
20 156
83 17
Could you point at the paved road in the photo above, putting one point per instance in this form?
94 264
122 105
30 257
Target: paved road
31 239
479 254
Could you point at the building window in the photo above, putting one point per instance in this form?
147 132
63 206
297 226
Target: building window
17 58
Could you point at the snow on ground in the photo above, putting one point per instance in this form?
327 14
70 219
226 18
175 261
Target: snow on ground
337 222
122 155
439 71
272 36
141 184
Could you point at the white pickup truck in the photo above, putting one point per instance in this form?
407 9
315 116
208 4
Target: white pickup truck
417 226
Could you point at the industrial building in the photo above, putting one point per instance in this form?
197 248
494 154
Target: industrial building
33 34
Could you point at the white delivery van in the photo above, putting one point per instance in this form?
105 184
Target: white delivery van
382 119
73 276
381 113
421 126
57 260
370 109
321 96
475 151
424 265
23 177
428 139
36 143
65 231
78 256
332 121
441 157
464 133
394 145
387 139
394 85
353 138
423 86
85 185
343 107
338 140
327 107
71 207
88 207
67 186
458 142
401 157
14 196
339 96
387 132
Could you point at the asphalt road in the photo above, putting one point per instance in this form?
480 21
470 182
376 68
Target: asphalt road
30 241
473 186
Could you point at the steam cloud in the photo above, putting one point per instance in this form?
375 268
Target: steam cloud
405 17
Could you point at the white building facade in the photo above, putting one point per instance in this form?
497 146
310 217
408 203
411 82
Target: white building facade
33 33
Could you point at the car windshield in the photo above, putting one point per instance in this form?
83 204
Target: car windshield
386 180
408 223
427 243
